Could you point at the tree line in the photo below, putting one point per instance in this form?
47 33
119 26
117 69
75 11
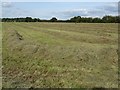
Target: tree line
76 19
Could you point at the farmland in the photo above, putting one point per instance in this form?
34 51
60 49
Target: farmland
60 54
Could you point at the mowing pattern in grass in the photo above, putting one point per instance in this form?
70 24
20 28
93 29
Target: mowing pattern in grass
60 55
0 55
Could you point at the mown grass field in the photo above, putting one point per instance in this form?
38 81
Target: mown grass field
0 55
60 55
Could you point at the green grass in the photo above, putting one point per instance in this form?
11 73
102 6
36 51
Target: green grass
60 55
0 55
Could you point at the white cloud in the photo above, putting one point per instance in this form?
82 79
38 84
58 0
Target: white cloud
108 9
7 4
80 12
16 12
60 0
111 7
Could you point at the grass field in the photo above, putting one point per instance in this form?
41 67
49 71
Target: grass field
60 55
0 55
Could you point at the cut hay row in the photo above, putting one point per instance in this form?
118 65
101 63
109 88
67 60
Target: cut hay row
48 55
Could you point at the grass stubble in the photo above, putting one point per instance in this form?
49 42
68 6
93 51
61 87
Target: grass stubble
63 55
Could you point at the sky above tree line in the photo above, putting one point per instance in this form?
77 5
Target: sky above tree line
60 10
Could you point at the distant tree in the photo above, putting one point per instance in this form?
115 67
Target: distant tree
97 20
54 19
36 20
76 19
28 19
117 19
108 19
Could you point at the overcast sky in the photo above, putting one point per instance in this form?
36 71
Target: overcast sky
61 10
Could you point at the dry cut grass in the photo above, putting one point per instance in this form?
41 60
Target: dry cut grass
60 55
